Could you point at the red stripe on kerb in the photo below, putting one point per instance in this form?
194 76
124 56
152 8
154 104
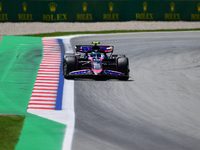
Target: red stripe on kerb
49 68
50 43
48 79
52 70
51 56
54 59
41 100
48 60
45 86
44 89
41 108
50 53
48 73
41 104
44 96
51 59
55 83
50 63
53 50
50 92
48 76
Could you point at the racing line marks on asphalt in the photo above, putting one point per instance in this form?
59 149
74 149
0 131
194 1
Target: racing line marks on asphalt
46 85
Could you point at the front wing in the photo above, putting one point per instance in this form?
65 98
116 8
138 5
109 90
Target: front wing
87 73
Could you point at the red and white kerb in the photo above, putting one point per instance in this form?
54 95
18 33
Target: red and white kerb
45 88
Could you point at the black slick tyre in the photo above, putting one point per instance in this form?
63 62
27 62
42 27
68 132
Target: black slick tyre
123 66
69 65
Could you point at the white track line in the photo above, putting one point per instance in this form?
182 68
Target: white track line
68 105
68 102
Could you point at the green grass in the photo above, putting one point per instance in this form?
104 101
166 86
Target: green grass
10 128
105 32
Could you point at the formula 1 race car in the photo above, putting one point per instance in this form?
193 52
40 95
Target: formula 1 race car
93 61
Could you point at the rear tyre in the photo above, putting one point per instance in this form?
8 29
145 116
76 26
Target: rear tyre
69 65
123 66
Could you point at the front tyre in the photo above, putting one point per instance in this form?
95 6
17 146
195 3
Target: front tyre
123 66
69 65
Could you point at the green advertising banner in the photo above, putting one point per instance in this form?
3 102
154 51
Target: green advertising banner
93 10
53 12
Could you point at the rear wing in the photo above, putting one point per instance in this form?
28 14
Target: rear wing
92 48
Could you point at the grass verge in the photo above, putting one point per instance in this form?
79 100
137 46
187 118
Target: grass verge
10 128
105 32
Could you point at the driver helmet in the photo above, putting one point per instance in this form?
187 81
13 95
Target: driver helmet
93 54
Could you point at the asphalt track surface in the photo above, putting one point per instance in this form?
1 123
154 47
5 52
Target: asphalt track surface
156 109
